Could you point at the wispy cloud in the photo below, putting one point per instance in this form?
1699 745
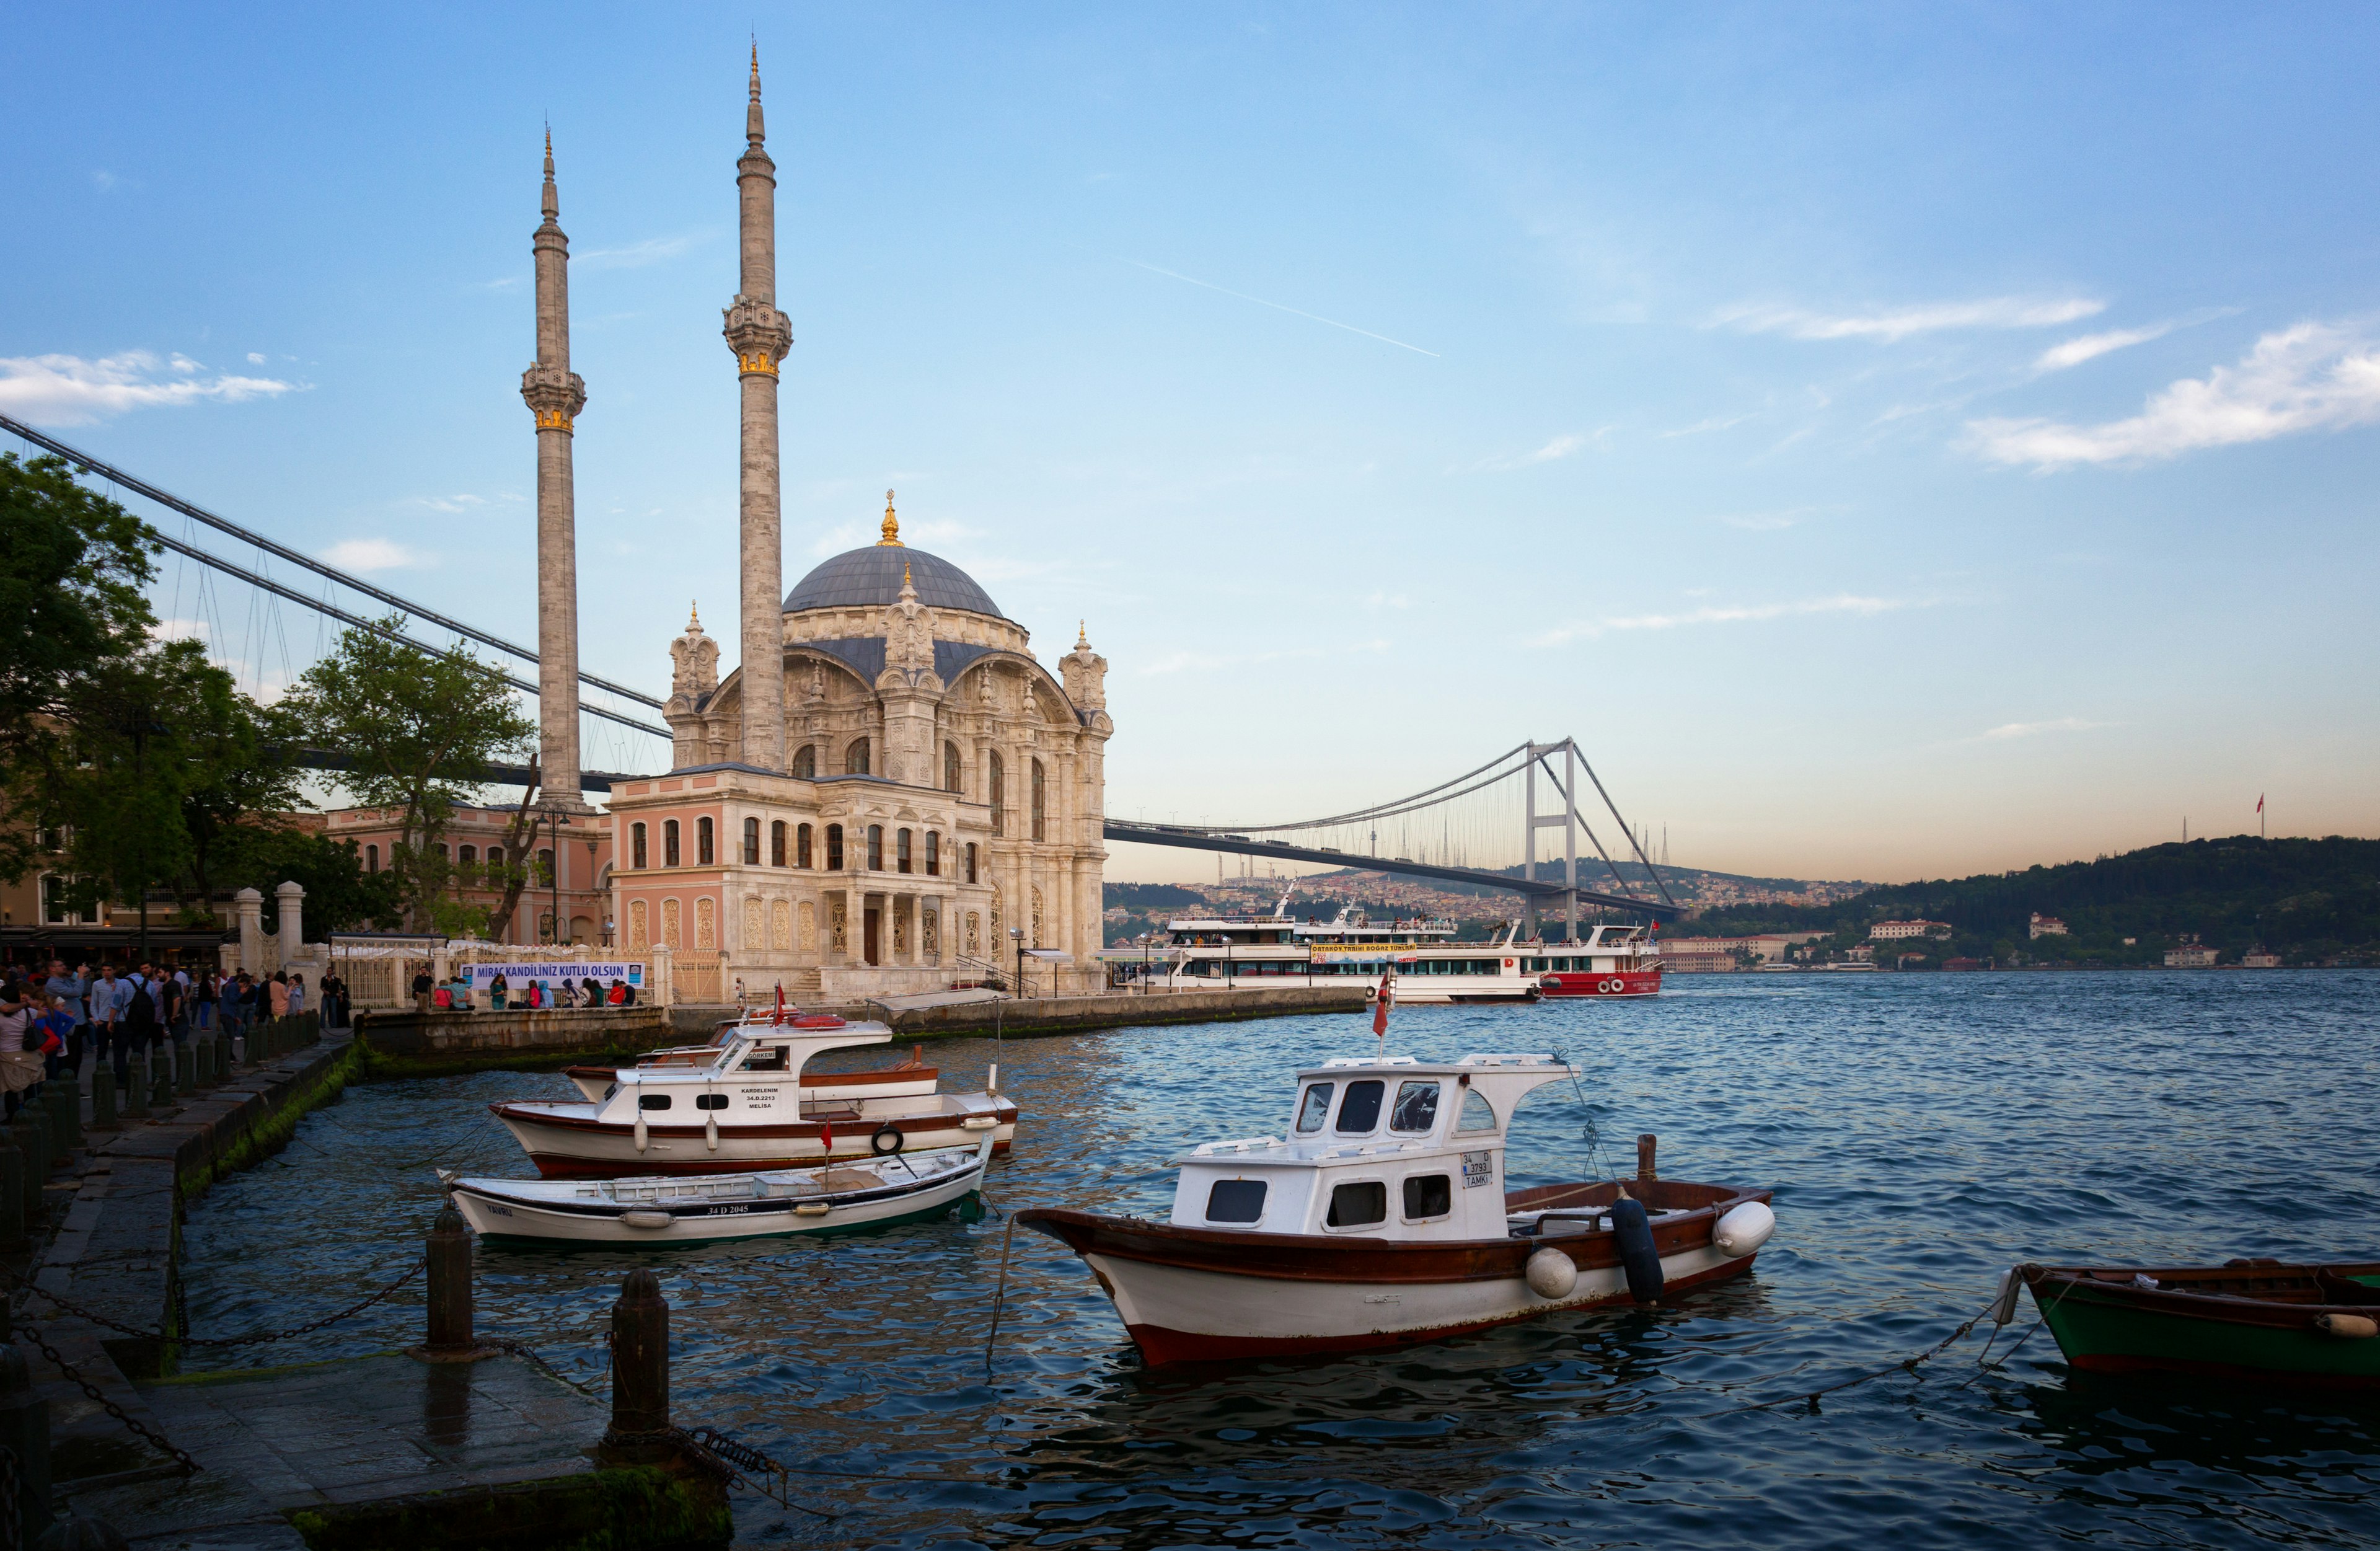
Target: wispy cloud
2311 377
2034 730
636 255
70 390
1768 521
1280 307
2091 347
370 555
1561 447
1721 614
1889 324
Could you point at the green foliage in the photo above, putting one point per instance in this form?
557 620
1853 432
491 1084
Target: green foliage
340 896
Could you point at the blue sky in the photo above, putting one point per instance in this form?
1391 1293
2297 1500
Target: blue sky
1894 441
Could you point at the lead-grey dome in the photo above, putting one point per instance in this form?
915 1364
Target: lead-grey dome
871 578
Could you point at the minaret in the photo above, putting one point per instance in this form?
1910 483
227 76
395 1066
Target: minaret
759 335
555 394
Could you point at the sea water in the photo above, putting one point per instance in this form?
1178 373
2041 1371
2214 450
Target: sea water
1921 1132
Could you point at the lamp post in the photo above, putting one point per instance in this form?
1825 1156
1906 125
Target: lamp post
1018 934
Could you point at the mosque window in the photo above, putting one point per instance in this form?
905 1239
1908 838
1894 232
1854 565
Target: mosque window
470 855
802 846
970 862
751 842
854 758
1040 808
496 856
901 857
876 847
806 764
834 847
371 858
635 844
669 842
933 854
703 854
777 843
998 794
951 767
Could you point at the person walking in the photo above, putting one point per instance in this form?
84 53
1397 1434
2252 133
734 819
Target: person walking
136 1029
109 996
277 993
422 986
334 1002
70 989
202 1002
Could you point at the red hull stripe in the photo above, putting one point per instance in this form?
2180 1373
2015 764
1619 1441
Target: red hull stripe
553 1166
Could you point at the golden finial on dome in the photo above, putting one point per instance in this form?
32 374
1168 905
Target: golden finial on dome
905 574
892 525
1082 632
693 619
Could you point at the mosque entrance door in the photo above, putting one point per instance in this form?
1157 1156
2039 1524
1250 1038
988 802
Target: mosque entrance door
869 934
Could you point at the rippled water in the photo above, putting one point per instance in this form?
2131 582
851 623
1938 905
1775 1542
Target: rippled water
1921 1133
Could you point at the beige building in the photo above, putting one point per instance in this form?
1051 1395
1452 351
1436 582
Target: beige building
1894 931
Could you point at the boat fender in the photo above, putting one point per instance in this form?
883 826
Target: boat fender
1743 1229
2003 1309
1552 1274
711 1130
641 1134
2353 1327
646 1219
1638 1256
875 1142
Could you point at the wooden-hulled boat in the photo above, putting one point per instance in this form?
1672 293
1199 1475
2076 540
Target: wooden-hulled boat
1384 1221
668 1210
2261 1322
911 1079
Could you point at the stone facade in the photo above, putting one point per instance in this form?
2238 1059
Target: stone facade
554 395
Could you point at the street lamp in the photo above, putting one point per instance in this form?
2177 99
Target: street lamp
1018 934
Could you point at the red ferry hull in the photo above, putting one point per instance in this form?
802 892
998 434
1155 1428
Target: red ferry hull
1610 984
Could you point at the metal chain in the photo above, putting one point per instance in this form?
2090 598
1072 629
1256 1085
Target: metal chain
528 1355
722 1454
189 1466
12 1517
69 1306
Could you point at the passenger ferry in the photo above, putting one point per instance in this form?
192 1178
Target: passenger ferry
1613 962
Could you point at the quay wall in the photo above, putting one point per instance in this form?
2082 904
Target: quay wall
1068 1015
403 1042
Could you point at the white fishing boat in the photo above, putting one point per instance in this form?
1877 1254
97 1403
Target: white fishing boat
911 1079
1384 1220
667 1210
745 1109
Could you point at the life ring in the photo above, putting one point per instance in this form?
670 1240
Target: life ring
1508 963
875 1142
1613 987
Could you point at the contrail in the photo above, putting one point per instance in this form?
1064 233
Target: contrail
1260 302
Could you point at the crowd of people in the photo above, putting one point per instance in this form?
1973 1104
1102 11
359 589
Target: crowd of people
52 1019
456 993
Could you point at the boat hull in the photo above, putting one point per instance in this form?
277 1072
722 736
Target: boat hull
497 1215
565 1146
1610 984
2250 1324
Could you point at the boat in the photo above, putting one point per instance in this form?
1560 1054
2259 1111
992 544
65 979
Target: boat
745 1109
668 1210
909 1079
1269 952
2262 1322
1384 1220
1614 961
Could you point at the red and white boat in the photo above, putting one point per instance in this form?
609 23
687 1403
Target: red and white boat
908 1079
1383 1220
745 1109
1266 952
1613 962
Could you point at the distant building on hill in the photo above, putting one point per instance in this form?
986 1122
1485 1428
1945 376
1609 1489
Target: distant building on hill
2045 926
2260 958
2190 955
1963 964
1720 955
1892 931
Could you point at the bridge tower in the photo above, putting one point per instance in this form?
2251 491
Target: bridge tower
1566 821
554 395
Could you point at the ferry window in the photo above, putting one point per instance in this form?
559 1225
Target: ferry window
777 843
669 842
1416 1107
1477 1115
1360 1111
1316 1105
835 847
1357 1205
751 842
1428 1195
1235 1201
652 1100
801 844
719 1101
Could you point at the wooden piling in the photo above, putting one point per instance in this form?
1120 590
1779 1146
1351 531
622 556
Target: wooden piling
450 1283
640 1358
1645 1145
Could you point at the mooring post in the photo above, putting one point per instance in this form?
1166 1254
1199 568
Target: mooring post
1645 1145
225 1056
161 1085
102 1096
66 1111
25 1433
450 1283
640 1358
12 1195
27 1134
185 1068
136 1085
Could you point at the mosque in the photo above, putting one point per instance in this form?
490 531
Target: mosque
887 791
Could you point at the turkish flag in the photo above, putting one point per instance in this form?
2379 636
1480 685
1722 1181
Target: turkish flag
1380 1003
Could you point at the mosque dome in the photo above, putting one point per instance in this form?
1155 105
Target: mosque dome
871 578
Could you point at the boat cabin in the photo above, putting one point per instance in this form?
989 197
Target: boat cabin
757 1069
1384 1147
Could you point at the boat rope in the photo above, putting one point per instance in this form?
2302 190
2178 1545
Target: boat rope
999 1295
69 1306
1598 1166
1906 1365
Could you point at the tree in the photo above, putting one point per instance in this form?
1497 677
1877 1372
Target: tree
419 730
340 896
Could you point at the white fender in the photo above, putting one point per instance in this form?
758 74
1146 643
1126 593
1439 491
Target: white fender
711 1130
640 1130
1743 1229
2004 1297
1552 1274
2353 1327
646 1219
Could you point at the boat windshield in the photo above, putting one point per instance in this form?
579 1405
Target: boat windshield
1360 1111
1477 1115
1317 1104
1416 1107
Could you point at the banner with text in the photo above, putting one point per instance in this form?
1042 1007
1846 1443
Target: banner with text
518 976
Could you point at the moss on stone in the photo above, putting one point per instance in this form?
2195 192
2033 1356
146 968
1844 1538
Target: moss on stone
636 1508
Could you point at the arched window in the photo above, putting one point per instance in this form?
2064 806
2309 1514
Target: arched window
854 758
471 854
703 855
496 856
933 854
545 868
751 842
950 767
635 844
806 764
997 795
1040 808
834 847
970 862
777 843
371 858
669 842
901 851
876 847
802 846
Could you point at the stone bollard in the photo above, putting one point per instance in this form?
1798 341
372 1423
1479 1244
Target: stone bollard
136 1086
103 1097
186 1068
223 1056
25 1433
161 1081
26 1132
450 1284
12 1195
65 1112
640 1358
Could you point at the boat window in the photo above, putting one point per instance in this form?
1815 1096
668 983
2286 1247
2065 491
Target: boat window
1428 1195
1316 1104
1416 1107
1358 1203
652 1100
1477 1115
709 1100
1360 1111
1235 1201
772 1059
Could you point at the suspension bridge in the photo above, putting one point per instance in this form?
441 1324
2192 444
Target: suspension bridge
1483 829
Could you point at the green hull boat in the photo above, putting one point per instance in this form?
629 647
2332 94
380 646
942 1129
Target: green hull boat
2260 1322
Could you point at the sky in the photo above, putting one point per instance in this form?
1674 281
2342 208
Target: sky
1894 441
